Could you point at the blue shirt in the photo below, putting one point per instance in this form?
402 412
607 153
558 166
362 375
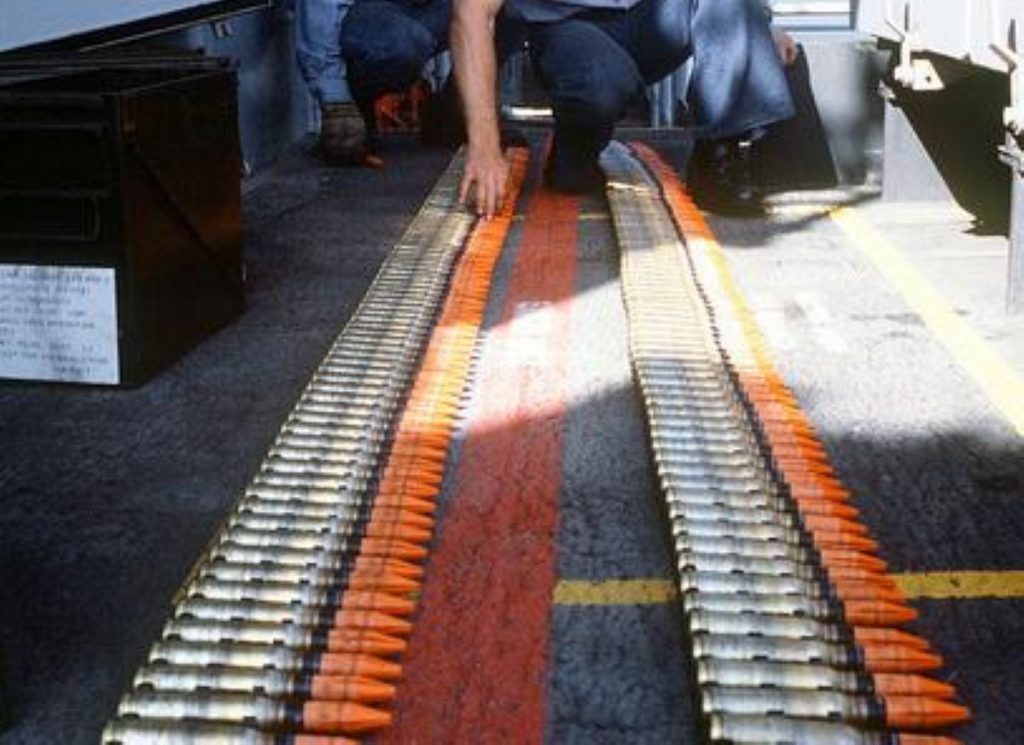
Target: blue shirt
549 11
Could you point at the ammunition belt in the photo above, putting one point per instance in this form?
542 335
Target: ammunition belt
792 621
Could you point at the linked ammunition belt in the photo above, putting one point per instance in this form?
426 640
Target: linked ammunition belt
793 622
288 628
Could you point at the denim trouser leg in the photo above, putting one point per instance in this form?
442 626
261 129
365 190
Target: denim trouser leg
386 43
318 48
594 63
590 79
738 83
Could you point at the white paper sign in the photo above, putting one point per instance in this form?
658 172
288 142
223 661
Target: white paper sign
58 323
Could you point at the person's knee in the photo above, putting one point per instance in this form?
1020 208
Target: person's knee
589 88
593 105
383 48
669 27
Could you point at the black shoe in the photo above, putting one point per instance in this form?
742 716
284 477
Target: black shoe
723 177
572 171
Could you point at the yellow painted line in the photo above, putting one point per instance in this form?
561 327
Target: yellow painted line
939 585
615 592
1003 386
916 585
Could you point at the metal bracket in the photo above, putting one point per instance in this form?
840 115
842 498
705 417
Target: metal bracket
1011 155
1013 115
914 72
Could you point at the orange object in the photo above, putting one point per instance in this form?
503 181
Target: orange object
913 712
372 620
372 581
364 641
877 613
397 530
397 548
884 636
859 590
350 688
895 684
826 508
840 557
384 602
359 665
342 716
828 540
889 658
386 513
409 503
398 567
839 525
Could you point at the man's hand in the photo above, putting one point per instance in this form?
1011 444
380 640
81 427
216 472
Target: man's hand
483 181
475 69
785 46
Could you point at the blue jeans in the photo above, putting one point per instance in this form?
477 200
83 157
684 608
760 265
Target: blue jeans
365 49
595 62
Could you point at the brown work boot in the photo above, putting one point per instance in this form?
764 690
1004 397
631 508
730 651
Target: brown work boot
342 133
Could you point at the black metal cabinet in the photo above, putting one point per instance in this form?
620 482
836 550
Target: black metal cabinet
132 170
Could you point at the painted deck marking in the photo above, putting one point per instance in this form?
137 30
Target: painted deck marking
615 592
939 585
916 585
1003 386
477 665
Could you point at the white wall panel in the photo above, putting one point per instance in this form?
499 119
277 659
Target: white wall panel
25 22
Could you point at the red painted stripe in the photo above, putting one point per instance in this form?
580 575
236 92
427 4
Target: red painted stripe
477 665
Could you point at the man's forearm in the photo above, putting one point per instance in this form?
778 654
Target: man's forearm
475 66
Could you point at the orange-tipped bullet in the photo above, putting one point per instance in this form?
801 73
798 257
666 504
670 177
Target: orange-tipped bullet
387 514
835 557
845 573
405 502
827 508
329 717
883 636
815 488
364 641
894 684
394 547
386 564
836 525
827 540
340 688
872 613
861 590
408 443
406 486
358 665
888 658
371 581
400 531
373 621
912 712
384 602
